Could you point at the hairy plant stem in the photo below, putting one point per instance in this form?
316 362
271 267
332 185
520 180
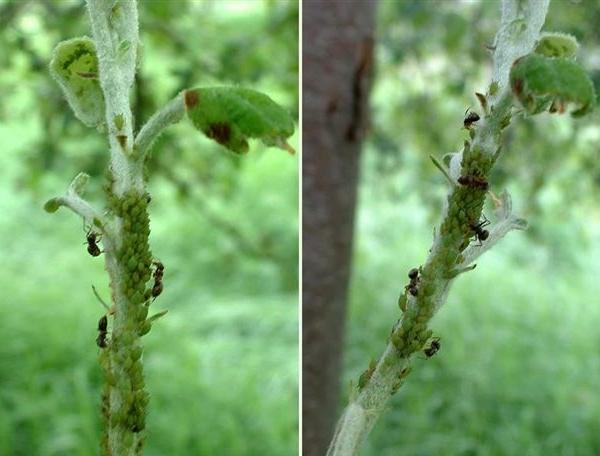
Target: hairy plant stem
452 252
171 113
126 231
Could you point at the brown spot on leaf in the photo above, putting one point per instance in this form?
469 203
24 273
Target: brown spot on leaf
518 86
220 132
190 98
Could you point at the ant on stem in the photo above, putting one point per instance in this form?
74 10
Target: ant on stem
102 325
413 275
434 347
158 276
480 233
474 182
92 239
470 118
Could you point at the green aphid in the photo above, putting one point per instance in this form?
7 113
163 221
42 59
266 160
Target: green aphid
119 121
397 341
143 313
424 337
402 302
367 374
132 264
136 353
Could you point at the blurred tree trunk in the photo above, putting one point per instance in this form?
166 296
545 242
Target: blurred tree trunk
337 62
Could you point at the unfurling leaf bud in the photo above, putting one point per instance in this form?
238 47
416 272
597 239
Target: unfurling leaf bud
74 66
542 83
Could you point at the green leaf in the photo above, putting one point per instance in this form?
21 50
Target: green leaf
232 115
557 45
542 83
52 205
74 66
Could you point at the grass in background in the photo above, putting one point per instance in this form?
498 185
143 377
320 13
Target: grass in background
519 364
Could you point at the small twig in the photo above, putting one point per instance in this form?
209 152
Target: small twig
171 113
80 207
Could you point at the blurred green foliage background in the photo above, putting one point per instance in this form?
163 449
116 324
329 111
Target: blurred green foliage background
222 366
519 365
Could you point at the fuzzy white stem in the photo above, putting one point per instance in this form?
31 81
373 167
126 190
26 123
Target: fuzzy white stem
171 113
115 33
81 208
113 24
519 30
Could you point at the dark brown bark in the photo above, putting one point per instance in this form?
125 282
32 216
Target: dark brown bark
337 67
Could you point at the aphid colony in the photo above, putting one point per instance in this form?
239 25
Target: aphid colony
157 289
477 227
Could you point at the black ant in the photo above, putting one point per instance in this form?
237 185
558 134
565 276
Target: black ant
102 325
474 182
413 275
92 239
470 118
480 233
158 276
433 348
